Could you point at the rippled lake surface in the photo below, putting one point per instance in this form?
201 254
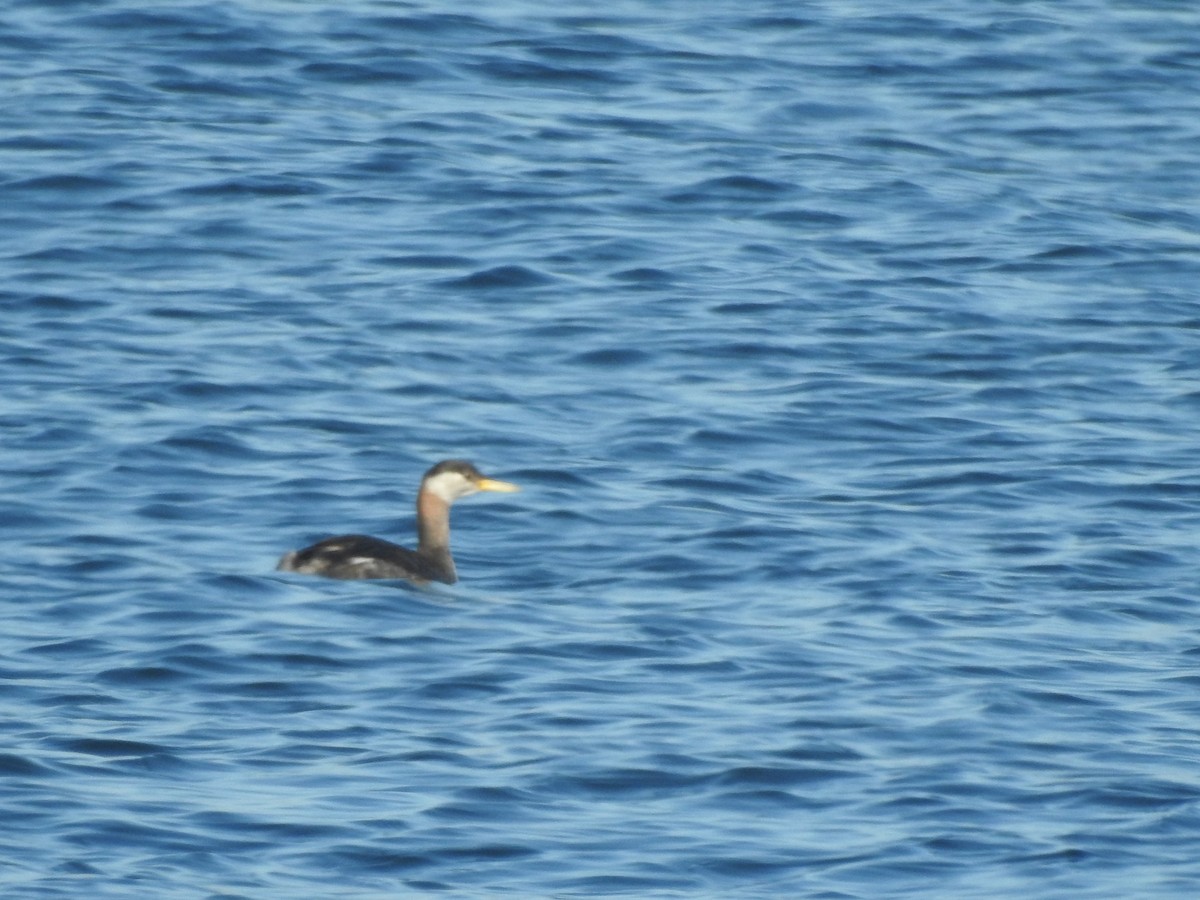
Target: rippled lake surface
848 356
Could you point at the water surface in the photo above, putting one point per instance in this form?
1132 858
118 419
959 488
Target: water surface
848 359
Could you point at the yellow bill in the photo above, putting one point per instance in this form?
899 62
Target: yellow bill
491 484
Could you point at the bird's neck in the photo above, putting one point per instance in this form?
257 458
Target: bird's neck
433 530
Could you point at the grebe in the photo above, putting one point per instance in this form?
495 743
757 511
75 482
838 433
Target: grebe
360 556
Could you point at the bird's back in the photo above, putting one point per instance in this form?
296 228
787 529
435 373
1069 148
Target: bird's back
362 556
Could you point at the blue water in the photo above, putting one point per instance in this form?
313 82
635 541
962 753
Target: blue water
849 358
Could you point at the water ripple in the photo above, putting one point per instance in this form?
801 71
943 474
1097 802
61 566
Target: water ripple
847 363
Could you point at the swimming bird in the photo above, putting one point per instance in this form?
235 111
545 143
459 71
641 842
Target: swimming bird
361 556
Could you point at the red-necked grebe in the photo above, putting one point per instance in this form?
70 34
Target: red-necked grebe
361 556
